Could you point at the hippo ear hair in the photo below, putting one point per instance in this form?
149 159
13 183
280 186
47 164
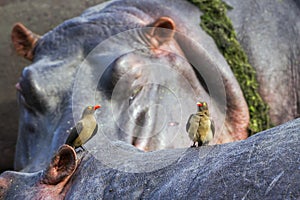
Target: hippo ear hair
24 40
62 166
162 31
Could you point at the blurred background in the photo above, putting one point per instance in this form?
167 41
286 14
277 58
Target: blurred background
40 17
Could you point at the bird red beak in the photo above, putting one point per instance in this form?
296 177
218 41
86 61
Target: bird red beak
96 107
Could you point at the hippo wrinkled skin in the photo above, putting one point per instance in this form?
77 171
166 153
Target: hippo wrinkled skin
147 63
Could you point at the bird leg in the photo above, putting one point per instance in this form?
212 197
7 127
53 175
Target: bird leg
79 150
194 145
82 148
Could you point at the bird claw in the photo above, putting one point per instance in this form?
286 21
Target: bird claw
80 149
193 146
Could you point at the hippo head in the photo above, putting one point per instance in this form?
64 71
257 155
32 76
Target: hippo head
147 75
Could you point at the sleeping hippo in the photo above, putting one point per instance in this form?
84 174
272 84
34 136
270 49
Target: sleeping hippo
147 63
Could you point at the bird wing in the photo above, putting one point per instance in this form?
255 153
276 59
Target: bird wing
188 124
193 124
93 134
212 127
95 131
74 133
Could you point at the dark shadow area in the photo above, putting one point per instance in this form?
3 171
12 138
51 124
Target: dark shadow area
9 127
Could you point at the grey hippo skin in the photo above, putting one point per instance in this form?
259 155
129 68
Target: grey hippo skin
269 31
148 81
265 166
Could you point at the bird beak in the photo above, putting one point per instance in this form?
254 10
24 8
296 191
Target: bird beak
96 107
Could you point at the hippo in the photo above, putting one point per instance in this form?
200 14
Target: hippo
261 167
148 85
147 64
147 88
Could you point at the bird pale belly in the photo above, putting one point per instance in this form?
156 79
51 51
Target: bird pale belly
204 130
89 126
199 126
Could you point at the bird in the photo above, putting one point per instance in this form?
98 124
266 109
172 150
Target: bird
200 127
85 128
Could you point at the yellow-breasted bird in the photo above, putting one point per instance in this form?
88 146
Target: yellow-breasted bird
200 127
85 128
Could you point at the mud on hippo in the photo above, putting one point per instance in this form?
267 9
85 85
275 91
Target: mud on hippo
146 63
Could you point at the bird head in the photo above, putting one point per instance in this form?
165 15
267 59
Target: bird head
90 110
202 106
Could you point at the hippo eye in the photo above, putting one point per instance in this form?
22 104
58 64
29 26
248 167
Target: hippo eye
24 102
29 100
135 93
29 92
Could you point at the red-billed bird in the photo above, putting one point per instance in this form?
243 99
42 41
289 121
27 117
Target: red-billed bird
85 129
200 127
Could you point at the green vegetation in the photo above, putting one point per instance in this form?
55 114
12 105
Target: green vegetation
216 23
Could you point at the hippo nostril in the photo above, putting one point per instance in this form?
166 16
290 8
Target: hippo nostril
134 141
31 128
141 118
140 144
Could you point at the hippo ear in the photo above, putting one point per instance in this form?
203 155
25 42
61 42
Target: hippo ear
24 40
62 166
162 31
